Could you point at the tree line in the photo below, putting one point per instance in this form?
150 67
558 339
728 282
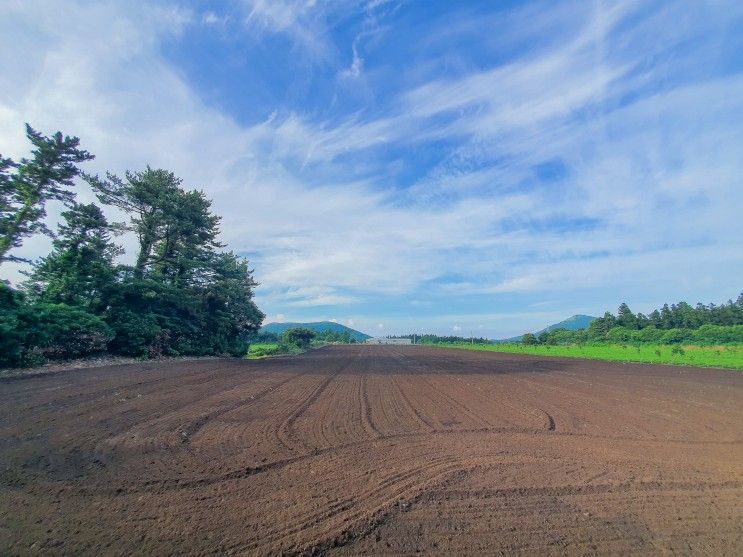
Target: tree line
672 324
675 324
430 338
327 335
294 340
183 295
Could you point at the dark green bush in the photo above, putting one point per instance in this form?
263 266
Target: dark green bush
298 336
68 332
619 335
17 321
134 333
648 335
675 336
32 333
718 334
529 338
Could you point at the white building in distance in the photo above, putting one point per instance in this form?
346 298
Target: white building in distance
383 340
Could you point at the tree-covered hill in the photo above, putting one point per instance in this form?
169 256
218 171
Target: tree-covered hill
317 327
573 323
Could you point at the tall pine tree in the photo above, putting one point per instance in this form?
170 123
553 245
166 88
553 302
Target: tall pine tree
80 269
26 186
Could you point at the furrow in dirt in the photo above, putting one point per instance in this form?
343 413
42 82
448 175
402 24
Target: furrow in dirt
373 449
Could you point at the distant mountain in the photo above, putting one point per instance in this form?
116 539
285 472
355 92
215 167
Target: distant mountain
573 323
319 327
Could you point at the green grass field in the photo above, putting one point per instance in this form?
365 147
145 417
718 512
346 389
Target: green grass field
702 356
266 349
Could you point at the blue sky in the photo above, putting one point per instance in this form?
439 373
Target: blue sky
416 166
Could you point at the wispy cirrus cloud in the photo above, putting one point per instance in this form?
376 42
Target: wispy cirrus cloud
589 152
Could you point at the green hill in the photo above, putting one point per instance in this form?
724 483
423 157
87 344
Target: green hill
572 323
318 327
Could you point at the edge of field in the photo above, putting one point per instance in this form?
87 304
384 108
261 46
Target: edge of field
89 363
728 357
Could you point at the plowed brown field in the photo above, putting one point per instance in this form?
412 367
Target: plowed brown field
373 449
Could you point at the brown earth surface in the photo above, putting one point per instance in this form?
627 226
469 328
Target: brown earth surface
376 450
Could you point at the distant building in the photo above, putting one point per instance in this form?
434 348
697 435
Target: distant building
383 340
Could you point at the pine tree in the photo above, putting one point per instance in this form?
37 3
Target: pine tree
625 317
80 268
26 186
176 230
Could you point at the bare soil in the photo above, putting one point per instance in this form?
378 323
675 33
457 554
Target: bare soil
373 449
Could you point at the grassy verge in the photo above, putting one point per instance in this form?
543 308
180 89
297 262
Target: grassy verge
267 349
702 356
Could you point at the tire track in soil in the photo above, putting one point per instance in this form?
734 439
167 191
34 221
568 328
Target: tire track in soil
441 369
285 432
366 415
373 504
475 418
102 394
194 426
464 485
605 411
587 489
550 421
412 363
411 407
163 485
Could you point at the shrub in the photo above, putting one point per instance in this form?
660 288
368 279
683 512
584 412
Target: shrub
675 336
160 345
529 339
718 334
648 335
298 336
259 350
134 333
264 351
32 333
237 348
17 321
546 338
619 335
64 332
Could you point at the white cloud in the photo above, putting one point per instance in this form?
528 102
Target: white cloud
357 64
212 19
301 20
279 15
657 174
311 296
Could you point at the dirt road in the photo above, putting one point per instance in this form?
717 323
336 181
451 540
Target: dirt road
373 449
